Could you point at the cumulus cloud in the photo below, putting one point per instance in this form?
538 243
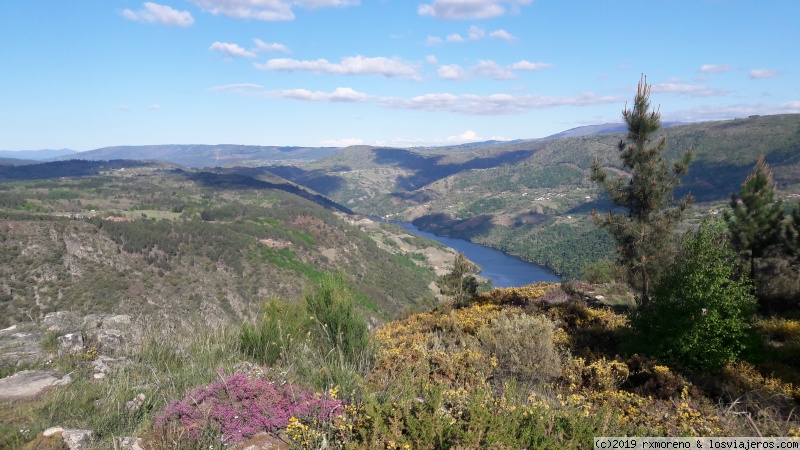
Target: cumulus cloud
494 104
155 107
267 10
346 142
262 46
159 14
338 95
433 40
763 73
431 59
715 68
452 72
351 65
501 34
455 37
467 136
489 68
470 9
476 32
231 50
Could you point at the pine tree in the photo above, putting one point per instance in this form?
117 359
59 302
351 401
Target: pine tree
459 283
644 231
755 216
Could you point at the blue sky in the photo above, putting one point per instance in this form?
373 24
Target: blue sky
84 74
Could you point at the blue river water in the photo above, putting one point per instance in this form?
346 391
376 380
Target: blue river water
504 270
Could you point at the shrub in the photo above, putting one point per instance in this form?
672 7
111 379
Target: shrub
275 335
700 312
524 349
236 408
340 327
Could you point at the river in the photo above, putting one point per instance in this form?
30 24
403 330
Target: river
504 270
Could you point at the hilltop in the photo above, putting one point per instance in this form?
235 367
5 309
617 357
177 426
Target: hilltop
207 246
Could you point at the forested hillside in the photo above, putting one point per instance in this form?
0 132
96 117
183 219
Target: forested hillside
152 238
532 198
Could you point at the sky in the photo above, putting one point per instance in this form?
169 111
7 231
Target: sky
86 74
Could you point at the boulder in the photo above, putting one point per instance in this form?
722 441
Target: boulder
77 439
70 343
28 384
61 322
110 342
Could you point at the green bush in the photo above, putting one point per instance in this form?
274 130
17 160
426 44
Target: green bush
701 307
277 333
339 325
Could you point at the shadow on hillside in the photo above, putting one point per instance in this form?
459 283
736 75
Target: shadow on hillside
427 168
318 180
238 181
444 225
71 168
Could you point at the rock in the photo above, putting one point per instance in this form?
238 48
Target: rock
61 322
135 404
130 443
70 344
20 344
110 342
262 441
77 439
28 384
51 431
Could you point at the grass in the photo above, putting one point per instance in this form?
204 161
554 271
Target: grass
509 371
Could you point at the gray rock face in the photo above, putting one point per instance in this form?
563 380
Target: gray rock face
70 344
19 344
77 439
28 384
110 342
61 322
130 443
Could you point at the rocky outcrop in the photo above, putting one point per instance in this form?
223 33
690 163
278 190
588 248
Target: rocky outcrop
29 384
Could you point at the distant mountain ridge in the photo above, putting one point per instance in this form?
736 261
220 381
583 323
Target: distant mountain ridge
36 155
201 155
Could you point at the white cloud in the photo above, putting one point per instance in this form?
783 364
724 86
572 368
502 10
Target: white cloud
262 46
715 68
155 107
431 59
455 37
527 65
433 40
691 90
716 112
501 34
489 68
346 142
763 73
476 32
452 72
125 108
338 95
231 50
160 14
267 10
467 136
492 104
351 65
469 9
240 87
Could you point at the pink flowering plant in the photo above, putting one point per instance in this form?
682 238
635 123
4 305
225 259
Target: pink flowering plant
240 407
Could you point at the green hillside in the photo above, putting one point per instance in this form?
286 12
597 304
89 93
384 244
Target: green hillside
152 238
532 198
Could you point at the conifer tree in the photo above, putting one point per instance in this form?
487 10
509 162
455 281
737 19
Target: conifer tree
755 216
459 283
643 232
